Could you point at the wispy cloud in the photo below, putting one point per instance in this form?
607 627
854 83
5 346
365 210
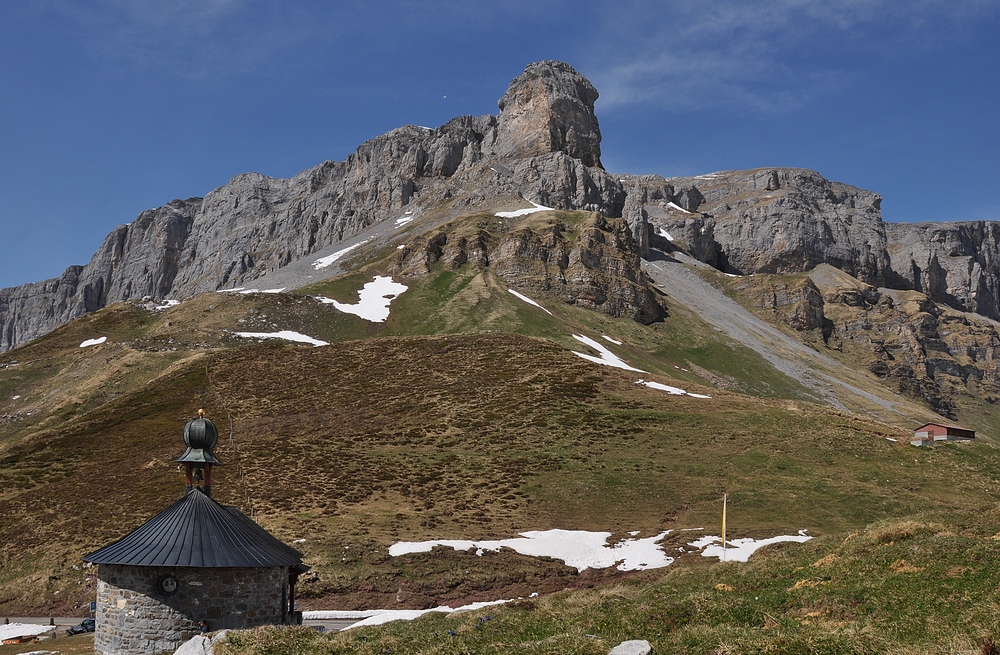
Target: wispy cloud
189 38
764 56
204 38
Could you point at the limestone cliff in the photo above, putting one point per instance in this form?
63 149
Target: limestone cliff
781 220
921 349
957 264
544 145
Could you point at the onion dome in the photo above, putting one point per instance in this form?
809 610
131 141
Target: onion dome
200 437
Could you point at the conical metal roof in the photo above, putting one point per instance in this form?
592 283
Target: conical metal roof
197 531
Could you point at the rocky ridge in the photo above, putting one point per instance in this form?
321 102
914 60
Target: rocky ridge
786 220
544 146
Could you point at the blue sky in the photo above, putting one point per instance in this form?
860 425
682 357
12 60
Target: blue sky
110 107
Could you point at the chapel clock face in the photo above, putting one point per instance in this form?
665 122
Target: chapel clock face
168 585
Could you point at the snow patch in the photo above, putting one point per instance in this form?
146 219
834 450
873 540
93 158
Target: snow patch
740 550
378 617
323 262
13 630
607 357
672 205
400 222
288 335
577 548
666 235
524 212
373 300
676 391
529 301
93 342
154 306
614 341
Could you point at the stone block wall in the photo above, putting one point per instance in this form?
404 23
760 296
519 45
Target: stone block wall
135 615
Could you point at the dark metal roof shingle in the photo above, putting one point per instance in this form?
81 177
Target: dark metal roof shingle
196 531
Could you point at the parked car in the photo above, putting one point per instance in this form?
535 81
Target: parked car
86 625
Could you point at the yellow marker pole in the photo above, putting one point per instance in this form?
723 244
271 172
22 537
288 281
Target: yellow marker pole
723 527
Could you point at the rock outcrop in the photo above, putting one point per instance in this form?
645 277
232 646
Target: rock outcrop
957 264
136 260
791 220
549 108
919 348
590 261
783 220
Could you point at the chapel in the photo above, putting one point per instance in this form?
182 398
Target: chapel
197 560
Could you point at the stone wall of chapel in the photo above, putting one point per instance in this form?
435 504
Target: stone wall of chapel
135 616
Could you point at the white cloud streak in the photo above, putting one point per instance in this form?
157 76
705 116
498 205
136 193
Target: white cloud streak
195 39
765 56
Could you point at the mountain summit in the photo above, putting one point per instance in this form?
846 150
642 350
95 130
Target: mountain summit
543 147
549 108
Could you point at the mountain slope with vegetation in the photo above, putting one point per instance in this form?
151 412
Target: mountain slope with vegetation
464 415
508 389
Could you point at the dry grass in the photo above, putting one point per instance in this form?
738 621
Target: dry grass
360 444
451 420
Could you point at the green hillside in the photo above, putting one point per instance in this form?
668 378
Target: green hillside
465 415
918 586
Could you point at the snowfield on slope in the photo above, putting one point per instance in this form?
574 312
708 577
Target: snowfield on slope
287 335
578 548
524 212
324 262
373 300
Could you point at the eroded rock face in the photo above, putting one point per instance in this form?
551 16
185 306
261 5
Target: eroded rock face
797 302
791 220
957 264
926 351
136 260
594 264
549 108
785 220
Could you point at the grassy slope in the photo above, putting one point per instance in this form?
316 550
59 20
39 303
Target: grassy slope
392 433
363 443
921 585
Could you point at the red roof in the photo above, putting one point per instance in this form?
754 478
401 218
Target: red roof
945 426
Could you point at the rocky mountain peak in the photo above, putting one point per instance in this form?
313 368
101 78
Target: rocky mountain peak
549 108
